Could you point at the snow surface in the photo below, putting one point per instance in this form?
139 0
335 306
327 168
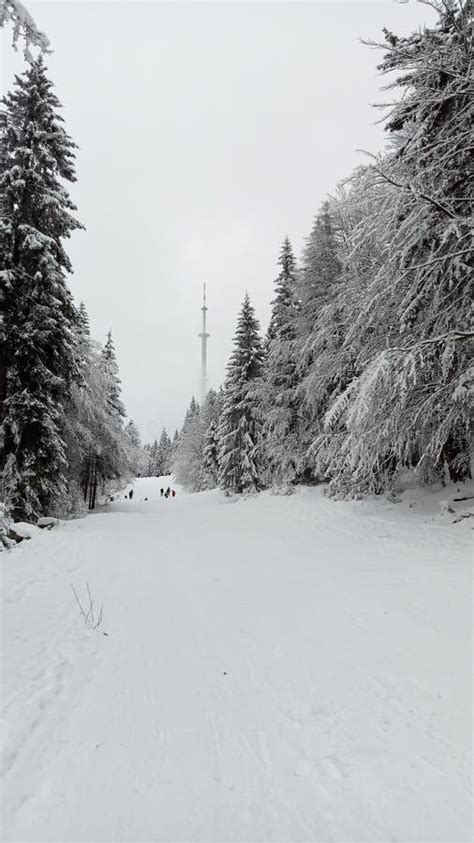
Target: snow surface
278 668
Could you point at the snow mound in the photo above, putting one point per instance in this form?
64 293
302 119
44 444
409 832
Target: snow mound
25 530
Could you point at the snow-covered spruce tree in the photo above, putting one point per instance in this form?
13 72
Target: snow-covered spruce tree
83 319
40 337
318 336
99 450
174 443
135 455
211 412
240 458
409 405
152 466
210 457
163 457
342 341
276 388
110 367
187 457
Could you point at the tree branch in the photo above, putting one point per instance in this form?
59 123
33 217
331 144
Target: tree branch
424 196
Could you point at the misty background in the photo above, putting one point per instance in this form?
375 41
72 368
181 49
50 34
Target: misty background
207 132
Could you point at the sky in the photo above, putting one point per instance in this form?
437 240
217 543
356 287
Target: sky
207 132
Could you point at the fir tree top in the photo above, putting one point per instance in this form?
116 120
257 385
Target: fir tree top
247 357
38 153
321 266
83 319
285 302
111 368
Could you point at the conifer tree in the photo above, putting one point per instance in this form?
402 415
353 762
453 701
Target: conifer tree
134 449
409 402
174 445
110 367
318 335
210 456
320 267
40 340
277 388
83 319
211 412
100 451
152 469
187 457
163 457
240 428
133 434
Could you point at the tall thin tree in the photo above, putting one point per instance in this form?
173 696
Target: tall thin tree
40 341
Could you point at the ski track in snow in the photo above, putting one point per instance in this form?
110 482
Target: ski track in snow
274 669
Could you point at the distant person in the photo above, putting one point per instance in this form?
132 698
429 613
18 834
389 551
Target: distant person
130 494
168 491
162 491
173 493
167 494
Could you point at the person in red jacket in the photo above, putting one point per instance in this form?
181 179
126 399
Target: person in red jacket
173 493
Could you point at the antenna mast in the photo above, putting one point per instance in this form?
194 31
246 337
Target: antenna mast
204 335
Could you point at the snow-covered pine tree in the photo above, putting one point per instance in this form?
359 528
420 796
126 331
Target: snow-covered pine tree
40 318
163 460
410 402
109 454
211 411
276 391
174 441
187 456
318 335
240 458
153 468
320 269
210 456
110 367
133 434
135 454
99 450
83 319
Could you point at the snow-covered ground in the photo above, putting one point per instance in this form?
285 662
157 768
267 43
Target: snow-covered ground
274 669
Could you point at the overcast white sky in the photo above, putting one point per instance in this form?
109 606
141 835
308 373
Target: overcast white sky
207 131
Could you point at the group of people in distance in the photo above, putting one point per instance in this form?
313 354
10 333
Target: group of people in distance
168 492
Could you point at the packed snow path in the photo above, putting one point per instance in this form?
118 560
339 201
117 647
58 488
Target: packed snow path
274 669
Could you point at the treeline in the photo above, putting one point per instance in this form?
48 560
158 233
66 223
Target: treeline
62 435
366 368
158 455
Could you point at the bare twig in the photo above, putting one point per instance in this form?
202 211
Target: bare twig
89 617
79 603
91 603
100 617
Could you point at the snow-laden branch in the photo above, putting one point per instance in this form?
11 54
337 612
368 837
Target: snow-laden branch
24 27
416 193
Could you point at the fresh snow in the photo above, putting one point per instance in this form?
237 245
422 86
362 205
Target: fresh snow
275 668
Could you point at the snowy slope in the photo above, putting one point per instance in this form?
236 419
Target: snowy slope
274 669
